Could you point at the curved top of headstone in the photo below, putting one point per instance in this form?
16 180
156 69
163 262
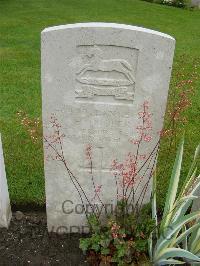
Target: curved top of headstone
107 85
107 25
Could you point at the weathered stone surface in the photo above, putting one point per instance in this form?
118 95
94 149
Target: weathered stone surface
5 210
195 3
107 84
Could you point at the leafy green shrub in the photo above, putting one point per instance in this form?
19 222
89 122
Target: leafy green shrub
176 3
123 240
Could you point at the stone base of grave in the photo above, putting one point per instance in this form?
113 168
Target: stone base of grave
5 218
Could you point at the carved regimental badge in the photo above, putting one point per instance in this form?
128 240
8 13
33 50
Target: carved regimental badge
104 72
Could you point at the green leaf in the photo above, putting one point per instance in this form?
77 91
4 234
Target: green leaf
186 233
173 186
150 245
169 262
105 251
84 244
96 247
181 207
191 174
174 230
197 153
105 242
194 242
154 207
180 253
167 237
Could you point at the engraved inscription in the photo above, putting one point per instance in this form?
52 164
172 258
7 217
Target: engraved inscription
106 130
99 165
89 124
102 74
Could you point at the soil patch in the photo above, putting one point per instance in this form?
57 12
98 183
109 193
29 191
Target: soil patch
27 242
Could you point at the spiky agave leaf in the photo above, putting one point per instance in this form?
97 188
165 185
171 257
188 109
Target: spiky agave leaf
169 262
174 228
167 238
194 241
150 246
178 253
186 233
192 171
182 206
154 207
173 186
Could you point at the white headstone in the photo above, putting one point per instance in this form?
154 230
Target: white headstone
195 3
5 209
107 86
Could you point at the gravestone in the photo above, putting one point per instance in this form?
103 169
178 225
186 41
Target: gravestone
5 209
195 3
104 89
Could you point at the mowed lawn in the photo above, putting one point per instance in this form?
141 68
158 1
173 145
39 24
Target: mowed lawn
22 21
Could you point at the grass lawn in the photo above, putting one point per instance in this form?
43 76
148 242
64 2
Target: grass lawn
20 25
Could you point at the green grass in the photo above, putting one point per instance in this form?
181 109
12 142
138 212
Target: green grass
20 25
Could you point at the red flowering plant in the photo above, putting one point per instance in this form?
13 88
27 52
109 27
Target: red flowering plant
123 239
125 236
128 174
